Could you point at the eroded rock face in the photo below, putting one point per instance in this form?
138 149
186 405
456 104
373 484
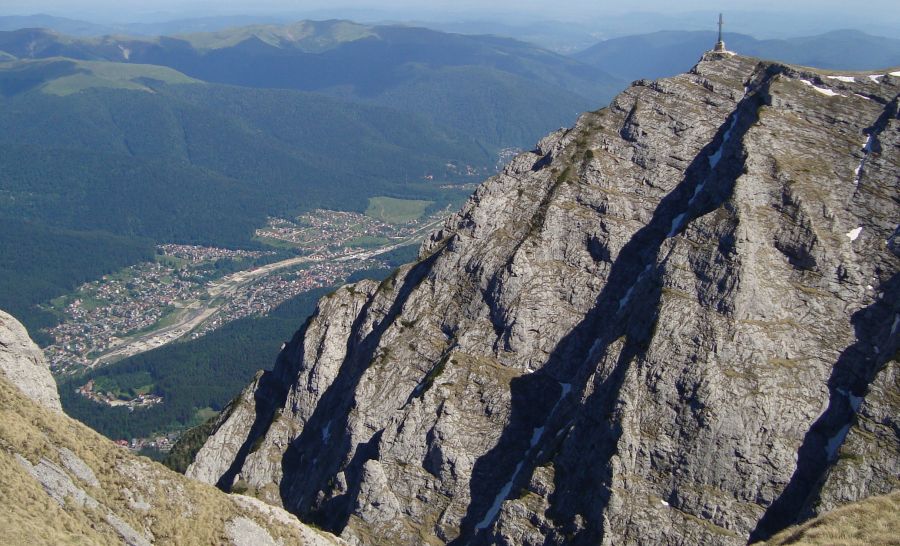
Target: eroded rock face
665 325
23 363
64 483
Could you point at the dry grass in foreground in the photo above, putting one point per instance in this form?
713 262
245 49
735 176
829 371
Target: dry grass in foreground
158 505
871 522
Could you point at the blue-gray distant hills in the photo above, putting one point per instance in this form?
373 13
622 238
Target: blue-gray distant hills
498 90
65 25
665 53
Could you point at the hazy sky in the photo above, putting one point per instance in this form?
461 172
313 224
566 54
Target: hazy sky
129 9
604 18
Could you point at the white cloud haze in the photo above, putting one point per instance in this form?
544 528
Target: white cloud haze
761 18
567 8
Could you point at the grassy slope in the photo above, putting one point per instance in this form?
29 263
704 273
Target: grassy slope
871 522
181 511
102 74
390 209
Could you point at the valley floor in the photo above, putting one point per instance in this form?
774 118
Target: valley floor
184 295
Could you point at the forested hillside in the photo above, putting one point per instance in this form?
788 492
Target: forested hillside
38 262
105 157
499 91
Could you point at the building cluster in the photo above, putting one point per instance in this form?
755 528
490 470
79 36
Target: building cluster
162 443
324 232
139 400
197 254
264 295
99 313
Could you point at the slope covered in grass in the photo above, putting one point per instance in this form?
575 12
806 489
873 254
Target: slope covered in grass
65 484
872 522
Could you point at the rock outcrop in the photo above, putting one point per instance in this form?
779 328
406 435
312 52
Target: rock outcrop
22 363
676 322
65 484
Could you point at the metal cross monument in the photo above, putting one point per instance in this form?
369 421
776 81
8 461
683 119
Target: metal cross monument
720 44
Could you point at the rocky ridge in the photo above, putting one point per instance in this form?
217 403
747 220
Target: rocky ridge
676 322
65 484
22 363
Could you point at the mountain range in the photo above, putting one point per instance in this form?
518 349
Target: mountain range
675 322
180 160
499 90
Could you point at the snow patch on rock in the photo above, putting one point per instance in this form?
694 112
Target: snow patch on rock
823 90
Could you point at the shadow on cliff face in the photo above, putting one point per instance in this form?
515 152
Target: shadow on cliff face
270 394
855 369
623 317
267 397
314 459
851 376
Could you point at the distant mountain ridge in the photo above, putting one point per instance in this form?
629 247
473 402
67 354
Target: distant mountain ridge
58 24
666 53
500 90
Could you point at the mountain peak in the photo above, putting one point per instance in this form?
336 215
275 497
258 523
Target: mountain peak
672 290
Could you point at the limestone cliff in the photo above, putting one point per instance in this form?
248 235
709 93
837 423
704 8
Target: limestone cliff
22 363
63 483
675 322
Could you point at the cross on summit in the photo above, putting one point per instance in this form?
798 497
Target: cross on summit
720 44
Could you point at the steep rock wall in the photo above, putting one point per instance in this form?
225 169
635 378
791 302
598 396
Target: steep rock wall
663 325
23 364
